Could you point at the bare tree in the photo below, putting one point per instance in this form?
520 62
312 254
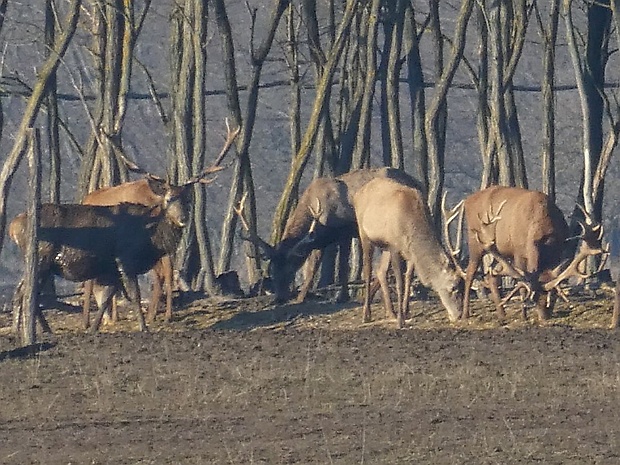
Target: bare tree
189 36
549 36
52 106
415 81
302 156
243 173
47 69
435 112
114 39
590 75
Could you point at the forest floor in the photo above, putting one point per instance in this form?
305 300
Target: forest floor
242 381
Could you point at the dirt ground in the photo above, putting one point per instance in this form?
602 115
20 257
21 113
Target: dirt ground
246 382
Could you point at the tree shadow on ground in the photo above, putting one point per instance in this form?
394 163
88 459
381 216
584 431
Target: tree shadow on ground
280 314
26 352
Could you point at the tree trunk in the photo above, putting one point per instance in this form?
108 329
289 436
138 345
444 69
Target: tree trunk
53 117
436 114
415 82
31 111
361 155
549 36
301 158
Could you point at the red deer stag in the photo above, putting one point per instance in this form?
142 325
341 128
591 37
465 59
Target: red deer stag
396 218
111 245
149 192
326 203
527 234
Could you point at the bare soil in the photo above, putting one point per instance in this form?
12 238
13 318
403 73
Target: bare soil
244 381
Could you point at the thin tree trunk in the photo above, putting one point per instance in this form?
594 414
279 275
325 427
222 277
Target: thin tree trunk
52 107
549 36
361 155
415 81
435 114
32 109
301 158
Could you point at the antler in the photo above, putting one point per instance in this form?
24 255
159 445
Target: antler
250 236
591 237
307 239
489 245
585 251
448 217
315 213
239 211
130 164
230 138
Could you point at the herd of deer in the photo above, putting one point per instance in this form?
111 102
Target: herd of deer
120 232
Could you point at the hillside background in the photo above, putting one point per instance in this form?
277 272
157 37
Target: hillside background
146 139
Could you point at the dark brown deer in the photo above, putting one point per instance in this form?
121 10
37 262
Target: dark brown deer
149 192
395 218
326 203
527 234
109 245
112 245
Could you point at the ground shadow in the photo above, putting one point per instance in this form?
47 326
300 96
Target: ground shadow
26 352
280 314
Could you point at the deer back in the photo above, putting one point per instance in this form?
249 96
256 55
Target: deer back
395 216
532 229
146 191
81 242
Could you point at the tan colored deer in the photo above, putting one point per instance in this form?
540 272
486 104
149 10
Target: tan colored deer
395 217
327 204
527 234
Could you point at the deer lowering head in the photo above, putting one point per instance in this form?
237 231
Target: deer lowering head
325 207
526 234
396 218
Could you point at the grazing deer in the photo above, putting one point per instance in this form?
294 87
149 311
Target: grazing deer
396 218
527 234
112 245
327 204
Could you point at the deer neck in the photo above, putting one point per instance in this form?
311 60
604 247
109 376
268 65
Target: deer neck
432 264
166 236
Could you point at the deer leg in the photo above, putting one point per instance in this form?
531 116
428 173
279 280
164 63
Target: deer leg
132 289
114 310
544 311
407 289
309 270
493 283
166 264
18 306
615 317
367 250
382 279
38 313
344 251
398 277
472 266
87 290
155 295
103 297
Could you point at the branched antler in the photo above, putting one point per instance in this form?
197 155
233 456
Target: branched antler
449 216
